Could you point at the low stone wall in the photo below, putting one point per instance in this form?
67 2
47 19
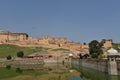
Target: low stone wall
28 61
101 65
52 61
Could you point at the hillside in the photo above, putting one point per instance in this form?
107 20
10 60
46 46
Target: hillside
6 49
116 46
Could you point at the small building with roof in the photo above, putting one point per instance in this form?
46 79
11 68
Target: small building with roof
112 53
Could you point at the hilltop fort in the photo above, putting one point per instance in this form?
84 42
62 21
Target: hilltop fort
23 39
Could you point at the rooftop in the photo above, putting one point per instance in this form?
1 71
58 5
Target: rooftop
112 51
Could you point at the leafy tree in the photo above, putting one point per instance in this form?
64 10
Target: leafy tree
8 67
20 54
94 55
9 57
95 48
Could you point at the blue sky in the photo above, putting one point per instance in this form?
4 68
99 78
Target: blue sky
78 20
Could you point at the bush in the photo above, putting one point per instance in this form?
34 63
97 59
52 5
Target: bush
9 57
8 67
20 54
94 55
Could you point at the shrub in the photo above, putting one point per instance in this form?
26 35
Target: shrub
20 54
9 57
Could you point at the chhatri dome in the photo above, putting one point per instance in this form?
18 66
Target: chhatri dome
70 55
112 51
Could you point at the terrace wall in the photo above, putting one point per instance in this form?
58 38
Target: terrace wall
101 65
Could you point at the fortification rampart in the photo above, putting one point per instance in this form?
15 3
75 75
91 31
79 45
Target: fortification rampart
22 39
101 65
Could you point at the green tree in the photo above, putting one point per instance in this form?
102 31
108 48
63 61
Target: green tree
9 57
8 67
95 48
20 54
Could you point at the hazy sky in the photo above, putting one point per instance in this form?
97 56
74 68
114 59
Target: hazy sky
78 20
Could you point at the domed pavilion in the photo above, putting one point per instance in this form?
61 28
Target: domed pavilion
112 54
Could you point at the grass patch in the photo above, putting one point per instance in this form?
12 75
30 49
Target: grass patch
5 73
13 73
60 49
6 49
